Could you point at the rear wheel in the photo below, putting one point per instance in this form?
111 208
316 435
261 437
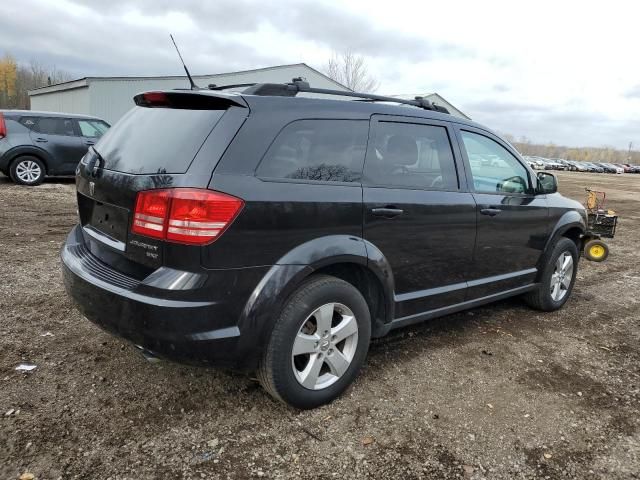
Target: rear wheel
318 344
27 170
557 278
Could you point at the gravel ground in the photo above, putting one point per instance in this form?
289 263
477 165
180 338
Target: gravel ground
498 392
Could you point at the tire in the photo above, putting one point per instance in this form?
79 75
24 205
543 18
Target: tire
282 374
544 298
27 170
596 250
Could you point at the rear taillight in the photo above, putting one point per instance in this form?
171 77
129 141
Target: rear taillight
150 216
184 215
3 126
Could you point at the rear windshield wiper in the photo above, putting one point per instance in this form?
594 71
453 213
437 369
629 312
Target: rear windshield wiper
95 162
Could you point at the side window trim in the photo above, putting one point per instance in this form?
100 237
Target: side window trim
459 128
459 167
76 127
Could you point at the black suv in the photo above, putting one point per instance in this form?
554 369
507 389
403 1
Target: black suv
36 144
279 234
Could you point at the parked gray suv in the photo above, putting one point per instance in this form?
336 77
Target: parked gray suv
38 144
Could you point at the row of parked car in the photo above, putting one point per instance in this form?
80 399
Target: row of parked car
540 163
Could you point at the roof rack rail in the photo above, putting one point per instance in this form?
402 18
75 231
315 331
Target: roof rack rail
300 85
213 86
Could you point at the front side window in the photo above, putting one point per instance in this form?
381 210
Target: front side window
493 167
92 128
320 150
411 155
55 126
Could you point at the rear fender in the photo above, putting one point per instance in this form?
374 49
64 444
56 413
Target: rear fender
22 150
266 301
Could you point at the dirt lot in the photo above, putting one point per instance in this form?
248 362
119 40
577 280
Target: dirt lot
498 392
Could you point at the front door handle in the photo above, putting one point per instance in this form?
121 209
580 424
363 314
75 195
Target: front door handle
89 142
387 212
41 140
492 212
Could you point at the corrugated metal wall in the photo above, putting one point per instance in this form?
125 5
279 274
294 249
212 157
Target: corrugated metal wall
67 101
112 98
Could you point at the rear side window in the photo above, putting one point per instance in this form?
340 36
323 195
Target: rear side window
320 150
53 126
92 128
411 155
156 140
29 122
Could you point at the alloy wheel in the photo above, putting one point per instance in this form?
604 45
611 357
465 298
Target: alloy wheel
325 346
28 171
562 276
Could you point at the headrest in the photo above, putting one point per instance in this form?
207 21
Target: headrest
401 150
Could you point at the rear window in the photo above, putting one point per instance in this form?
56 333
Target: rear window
156 140
319 150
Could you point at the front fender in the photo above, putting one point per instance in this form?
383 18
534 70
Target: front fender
569 219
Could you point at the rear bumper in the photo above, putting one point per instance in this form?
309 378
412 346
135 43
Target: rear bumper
195 322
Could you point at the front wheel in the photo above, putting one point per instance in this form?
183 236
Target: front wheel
557 277
318 344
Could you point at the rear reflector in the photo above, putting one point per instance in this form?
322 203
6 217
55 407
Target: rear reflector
184 215
3 126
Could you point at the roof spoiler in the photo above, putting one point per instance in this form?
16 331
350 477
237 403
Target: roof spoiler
188 100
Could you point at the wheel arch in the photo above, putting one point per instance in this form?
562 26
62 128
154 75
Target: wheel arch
23 151
571 225
346 257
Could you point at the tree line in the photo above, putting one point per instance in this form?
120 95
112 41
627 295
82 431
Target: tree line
582 154
17 79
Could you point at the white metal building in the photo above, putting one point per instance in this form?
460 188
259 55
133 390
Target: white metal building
110 98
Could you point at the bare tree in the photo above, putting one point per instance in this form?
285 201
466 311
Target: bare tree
17 79
351 70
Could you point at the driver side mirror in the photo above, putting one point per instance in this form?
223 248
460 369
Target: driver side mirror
547 183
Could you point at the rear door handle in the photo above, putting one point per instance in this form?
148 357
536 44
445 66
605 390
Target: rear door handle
387 212
41 140
492 212
89 142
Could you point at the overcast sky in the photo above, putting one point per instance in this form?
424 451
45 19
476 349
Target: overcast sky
560 71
